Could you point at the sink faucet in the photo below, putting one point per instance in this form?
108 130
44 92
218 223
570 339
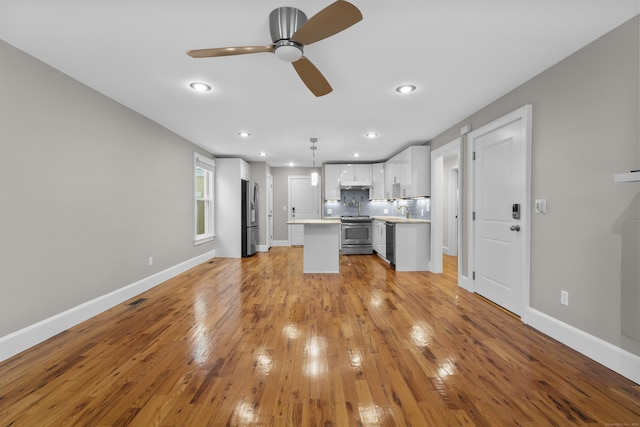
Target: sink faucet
406 210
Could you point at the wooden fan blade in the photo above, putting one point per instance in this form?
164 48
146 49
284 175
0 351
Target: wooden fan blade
331 20
228 51
312 77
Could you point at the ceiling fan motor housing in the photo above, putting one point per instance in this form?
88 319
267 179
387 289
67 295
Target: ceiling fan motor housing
283 23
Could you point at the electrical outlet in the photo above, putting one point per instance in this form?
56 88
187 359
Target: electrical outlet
150 260
564 297
386 211
329 211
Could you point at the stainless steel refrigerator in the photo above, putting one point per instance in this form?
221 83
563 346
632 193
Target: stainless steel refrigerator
250 230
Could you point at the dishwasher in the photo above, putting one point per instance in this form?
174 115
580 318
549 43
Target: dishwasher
391 243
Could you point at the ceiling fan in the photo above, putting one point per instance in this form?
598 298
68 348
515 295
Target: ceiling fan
290 32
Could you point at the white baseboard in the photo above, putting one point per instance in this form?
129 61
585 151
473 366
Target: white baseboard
262 248
18 341
279 243
615 358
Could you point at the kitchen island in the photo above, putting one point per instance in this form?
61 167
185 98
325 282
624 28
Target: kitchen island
409 248
321 245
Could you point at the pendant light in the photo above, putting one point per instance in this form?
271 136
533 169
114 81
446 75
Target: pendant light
314 173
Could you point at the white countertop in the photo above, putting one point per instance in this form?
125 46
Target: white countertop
324 221
402 220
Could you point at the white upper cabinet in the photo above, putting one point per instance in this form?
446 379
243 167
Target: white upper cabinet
377 182
420 167
408 173
245 170
355 174
332 182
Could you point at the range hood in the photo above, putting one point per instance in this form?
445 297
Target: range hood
354 187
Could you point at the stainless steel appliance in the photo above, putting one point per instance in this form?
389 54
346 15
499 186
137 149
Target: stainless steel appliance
391 239
249 212
356 235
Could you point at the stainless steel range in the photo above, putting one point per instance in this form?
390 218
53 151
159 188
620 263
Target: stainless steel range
356 235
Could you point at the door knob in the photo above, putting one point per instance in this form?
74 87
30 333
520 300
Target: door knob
514 228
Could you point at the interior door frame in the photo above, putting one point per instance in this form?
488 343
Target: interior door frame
269 210
524 114
437 202
453 221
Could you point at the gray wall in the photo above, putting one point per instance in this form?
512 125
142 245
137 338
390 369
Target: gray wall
89 190
259 172
281 198
585 130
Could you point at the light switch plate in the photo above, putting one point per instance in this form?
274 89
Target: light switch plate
541 206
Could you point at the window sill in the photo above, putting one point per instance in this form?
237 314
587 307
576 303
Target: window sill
201 240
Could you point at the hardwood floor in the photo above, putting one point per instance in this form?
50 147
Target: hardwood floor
257 342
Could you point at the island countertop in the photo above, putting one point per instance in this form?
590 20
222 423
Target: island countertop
315 221
402 220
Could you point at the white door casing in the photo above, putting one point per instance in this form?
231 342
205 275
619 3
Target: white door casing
269 210
500 176
304 198
454 211
437 199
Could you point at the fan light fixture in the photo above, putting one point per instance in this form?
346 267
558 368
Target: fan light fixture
200 87
244 134
288 51
263 154
371 134
405 89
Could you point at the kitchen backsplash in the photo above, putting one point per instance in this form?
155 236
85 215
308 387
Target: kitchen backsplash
354 202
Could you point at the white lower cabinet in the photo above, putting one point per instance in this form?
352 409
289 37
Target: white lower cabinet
380 237
412 246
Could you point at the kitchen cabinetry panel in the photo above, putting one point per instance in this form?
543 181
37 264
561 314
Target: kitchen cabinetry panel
408 173
380 237
245 170
377 182
412 248
332 182
355 174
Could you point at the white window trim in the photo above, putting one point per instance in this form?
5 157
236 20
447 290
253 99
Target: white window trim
209 164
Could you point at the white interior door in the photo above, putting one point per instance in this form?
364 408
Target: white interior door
304 203
502 186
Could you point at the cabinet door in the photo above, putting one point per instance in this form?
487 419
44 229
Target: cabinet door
245 170
332 182
347 174
377 182
362 173
420 171
389 178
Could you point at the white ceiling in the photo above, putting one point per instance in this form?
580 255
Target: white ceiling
461 54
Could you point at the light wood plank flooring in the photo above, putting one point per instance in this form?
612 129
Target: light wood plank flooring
257 342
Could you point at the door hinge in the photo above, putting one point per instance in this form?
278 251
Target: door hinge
473 156
473 275
473 215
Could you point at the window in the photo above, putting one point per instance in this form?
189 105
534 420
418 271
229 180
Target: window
203 178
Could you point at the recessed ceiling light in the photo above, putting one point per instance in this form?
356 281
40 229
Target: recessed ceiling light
371 134
291 164
244 134
356 154
405 89
263 154
200 87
